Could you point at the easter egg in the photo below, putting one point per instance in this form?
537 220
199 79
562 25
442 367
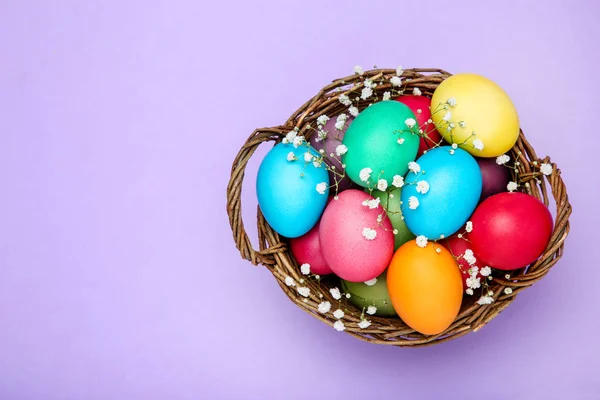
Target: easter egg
292 192
354 244
459 247
419 105
307 250
363 295
380 144
329 138
390 201
475 113
425 287
494 177
510 230
439 198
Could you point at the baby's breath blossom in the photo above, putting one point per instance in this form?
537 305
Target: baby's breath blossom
387 96
322 120
502 159
400 140
399 70
339 326
358 70
469 256
473 271
353 111
507 276
369 83
321 187
317 162
365 174
341 149
382 184
308 157
321 134
324 307
485 271
422 187
371 310
339 314
305 268
478 144
289 138
345 100
451 102
379 218
335 292
546 169
364 324
304 291
289 281
485 300
398 181
410 122
395 231
454 146
369 234
447 116
291 156
469 226
414 167
371 282
372 203
366 92
473 282
413 203
512 186
507 290
298 140
416 92
469 291
395 81
422 241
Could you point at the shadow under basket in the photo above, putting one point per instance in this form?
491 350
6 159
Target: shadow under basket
275 255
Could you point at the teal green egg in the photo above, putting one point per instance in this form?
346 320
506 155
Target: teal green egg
390 201
372 142
363 295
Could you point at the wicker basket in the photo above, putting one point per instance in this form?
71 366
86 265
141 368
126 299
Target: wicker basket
275 255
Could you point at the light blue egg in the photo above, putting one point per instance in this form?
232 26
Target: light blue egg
287 190
454 181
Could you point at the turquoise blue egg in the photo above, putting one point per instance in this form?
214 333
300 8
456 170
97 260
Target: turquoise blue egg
287 190
454 180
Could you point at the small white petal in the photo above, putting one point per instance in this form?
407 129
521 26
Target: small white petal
335 292
546 169
382 184
508 290
364 324
422 187
289 281
305 269
371 282
339 314
421 241
395 81
324 307
358 70
512 186
469 226
398 181
502 159
321 187
369 234
478 144
410 122
413 203
341 149
371 310
365 174
416 91
339 326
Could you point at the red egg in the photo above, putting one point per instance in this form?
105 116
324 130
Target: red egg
510 230
354 244
307 250
419 105
457 247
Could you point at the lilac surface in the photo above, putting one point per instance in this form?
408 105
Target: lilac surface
119 120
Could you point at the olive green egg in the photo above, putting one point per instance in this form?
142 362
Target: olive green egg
390 201
363 296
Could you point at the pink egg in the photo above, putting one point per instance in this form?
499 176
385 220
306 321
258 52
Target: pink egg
307 250
354 244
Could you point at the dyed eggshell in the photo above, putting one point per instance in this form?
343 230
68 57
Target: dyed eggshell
483 107
494 177
372 142
392 206
454 190
286 190
307 249
348 253
510 230
363 296
419 105
457 246
329 144
425 287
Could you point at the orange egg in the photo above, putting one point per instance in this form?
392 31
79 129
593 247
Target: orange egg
425 287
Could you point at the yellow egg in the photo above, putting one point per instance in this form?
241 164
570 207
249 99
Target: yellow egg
472 111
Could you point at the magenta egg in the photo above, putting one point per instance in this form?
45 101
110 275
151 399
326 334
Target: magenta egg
494 177
307 250
356 236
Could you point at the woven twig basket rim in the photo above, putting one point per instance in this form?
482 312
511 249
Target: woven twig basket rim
275 255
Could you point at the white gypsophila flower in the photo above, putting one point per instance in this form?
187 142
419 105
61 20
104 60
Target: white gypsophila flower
417 92
421 241
369 234
398 181
451 102
414 167
341 118
335 292
473 271
507 276
469 227
339 314
395 81
485 271
353 111
291 156
469 291
305 268
348 295
400 141
324 307
473 283
382 184
410 122
365 174
372 203
339 125
546 169
387 96
502 159
358 70
298 140
289 281
395 231
321 187
512 186
369 83
413 203
478 144
322 120
304 291
341 149
289 138
447 116
379 218
451 152
317 162
371 310
321 134
364 324
469 256
399 70
371 282
308 157
422 187
339 326
454 146
366 92
345 100
507 290
485 300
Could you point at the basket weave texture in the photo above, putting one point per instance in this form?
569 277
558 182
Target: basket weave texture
275 255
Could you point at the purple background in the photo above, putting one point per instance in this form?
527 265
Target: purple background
119 278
